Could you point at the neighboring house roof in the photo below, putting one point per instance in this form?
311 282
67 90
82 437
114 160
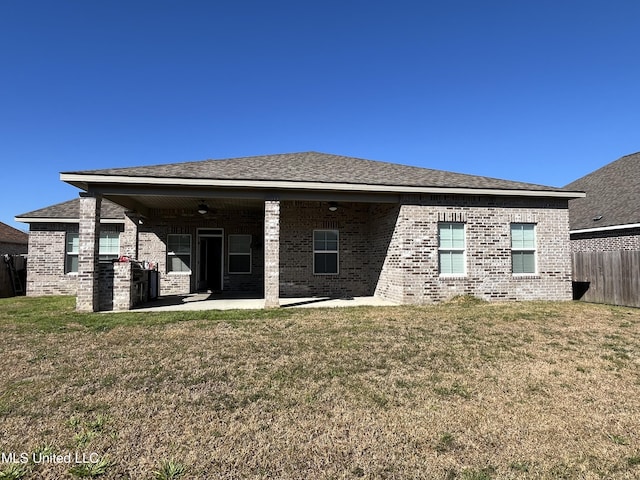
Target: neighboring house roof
8 234
307 170
613 197
69 212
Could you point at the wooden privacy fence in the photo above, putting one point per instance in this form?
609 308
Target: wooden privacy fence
607 277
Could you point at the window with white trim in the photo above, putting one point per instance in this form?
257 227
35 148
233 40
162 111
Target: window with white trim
239 253
523 248
325 252
109 249
71 252
179 253
451 248
109 246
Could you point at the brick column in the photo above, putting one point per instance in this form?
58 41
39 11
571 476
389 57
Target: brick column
271 253
129 238
122 286
87 298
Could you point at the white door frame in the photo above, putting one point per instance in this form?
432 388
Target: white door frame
210 233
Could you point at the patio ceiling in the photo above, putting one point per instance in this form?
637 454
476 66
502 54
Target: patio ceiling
143 198
145 203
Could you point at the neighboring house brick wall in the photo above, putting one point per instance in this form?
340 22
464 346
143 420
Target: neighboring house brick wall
627 239
13 248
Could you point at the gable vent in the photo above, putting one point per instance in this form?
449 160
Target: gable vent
329 225
455 217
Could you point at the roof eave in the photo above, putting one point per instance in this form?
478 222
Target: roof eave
84 180
608 228
62 220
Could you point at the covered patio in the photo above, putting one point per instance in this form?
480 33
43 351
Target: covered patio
208 301
187 234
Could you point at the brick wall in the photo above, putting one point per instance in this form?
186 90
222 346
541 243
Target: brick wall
298 220
412 259
272 241
392 251
385 268
626 239
46 265
152 241
389 250
105 286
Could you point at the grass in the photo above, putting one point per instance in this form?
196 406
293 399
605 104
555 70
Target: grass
465 390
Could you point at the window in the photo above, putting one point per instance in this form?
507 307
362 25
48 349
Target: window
109 246
239 253
523 248
71 256
179 253
109 249
325 252
451 249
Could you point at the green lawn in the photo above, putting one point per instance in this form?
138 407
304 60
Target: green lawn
463 390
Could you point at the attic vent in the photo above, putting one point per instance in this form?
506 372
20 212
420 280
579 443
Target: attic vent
329 225
455 217
523 218
596 218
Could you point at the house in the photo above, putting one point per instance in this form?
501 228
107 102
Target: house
12 240
13 247
54 241
605 233
302 224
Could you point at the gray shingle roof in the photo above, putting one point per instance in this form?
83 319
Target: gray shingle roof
8 234
613 192
316 167
71 210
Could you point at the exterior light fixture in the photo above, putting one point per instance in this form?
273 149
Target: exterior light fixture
333 206
203 209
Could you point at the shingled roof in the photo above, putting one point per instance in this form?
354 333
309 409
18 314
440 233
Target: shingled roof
310 167
70 211
8 234
613 196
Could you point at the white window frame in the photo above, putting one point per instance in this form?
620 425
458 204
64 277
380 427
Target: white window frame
102 256
533 250
68 254
171 253
231 254
462 249
336 251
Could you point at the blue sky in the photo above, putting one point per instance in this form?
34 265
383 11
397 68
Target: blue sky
536 91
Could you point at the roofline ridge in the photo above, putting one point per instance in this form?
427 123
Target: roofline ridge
607 165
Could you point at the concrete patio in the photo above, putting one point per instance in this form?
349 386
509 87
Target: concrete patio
207 301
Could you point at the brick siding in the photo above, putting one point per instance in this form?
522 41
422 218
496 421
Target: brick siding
46 264
410 273
388 250
611 240
152 240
